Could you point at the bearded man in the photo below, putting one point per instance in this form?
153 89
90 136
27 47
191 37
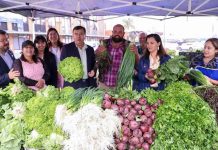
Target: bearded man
115 47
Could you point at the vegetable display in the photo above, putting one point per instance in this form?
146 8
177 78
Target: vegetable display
71 69
137 118
90 128
210 95
184 121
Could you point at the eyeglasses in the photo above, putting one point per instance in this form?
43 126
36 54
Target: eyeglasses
5 40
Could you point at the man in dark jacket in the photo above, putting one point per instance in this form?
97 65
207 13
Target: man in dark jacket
85 53
6 61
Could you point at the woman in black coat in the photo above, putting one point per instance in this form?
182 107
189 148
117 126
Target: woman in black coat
42 51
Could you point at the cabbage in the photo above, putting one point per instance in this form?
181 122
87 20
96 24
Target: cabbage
71 69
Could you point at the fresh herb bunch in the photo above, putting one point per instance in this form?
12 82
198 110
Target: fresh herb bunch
71 69
184 121
103 60
173 70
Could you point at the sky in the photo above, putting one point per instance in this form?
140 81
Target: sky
180 27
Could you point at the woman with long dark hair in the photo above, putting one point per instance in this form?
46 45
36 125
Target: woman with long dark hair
42 51
55 46
33 72
155 55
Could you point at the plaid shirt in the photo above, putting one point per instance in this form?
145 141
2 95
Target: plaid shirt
110 77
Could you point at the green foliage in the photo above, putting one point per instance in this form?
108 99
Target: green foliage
40 115
126 69
12 133
184 121
18 92
49 92
66 93
151 95
71 69
84 96
173 70
199 77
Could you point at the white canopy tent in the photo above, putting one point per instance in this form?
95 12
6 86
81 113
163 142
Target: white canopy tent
84 8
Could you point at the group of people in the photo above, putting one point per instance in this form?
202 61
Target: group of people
37 66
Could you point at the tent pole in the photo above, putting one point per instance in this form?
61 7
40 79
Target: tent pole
33 24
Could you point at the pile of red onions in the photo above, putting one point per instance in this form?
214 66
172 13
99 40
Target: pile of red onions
137 119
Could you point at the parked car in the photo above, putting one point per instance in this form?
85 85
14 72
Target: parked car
191 46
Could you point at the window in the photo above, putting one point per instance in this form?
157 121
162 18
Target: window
14 27
40 25
67 39
18 40
3 26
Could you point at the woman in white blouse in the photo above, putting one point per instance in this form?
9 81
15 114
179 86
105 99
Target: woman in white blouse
55 46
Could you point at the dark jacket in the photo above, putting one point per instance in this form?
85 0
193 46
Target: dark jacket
50 62
27 81
70 50
143 66
4 78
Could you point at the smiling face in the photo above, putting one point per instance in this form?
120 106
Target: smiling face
28 51
41 45
209 50
53 37
152 44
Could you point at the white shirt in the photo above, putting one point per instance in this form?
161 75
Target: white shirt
154 64
57 52
7 58
82 53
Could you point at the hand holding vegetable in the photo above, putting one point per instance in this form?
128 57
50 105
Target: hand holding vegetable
100 49
133 49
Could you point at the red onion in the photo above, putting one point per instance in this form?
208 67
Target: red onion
120 102
144 128
143 118
142 101
107 104
131 147
126 122
127 102
137 107
125 139
137 133
146 136
140 112
121 146
134 141
131 116
145 146
107 96
133 103
133 125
